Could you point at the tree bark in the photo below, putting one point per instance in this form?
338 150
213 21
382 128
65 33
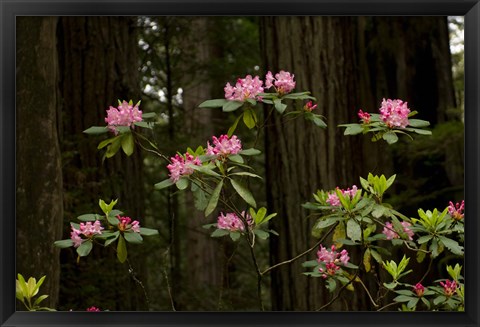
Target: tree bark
39 203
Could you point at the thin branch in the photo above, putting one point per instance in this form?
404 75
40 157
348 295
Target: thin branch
303 253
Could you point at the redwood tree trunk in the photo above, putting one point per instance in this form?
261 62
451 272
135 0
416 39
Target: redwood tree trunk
39 176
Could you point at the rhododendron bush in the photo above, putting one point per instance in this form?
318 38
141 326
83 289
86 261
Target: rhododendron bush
350 219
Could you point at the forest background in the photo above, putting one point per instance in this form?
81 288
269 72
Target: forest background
71 69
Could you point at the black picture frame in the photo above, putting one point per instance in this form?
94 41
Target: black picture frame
10 9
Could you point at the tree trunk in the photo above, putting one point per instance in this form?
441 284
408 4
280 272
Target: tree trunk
98 59
39 176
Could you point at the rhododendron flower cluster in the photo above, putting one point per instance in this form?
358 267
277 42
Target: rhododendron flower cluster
245 88
231 222
126 223
333 199
125 115
283 82
181 166
456 210
87 229
449 287
224 146
394 113
419 289
332 259
390 233
93 309
364 116
309 106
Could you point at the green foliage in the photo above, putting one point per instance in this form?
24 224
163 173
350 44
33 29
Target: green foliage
26 291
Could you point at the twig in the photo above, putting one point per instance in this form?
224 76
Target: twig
303 253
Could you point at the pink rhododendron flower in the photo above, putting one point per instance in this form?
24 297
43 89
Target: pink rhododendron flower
419 289
230 221
245 88
390 233
456 210
182 166
224 146
449 287
283 82
332 259
309 106
87 229
364 116
93 309
333 199
394 113
126 223
124 115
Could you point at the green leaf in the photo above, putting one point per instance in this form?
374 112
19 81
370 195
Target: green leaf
39 299
424 239
418 123
376 256
353 129
354 231
89 217
249 118
128 144
133 237
243 192
245 173
452 245
163 184
199 197
235 236
114 147
403 298
279 106
96 130
121 249
390 137
148 231
250 152
236 158
439 299
366 260
147 115
219 233
106 142
144 124
259 215
231 106
113 220
212 203
263 235
63 243
85 248
113 239
215 103
422 131
182 183
232 128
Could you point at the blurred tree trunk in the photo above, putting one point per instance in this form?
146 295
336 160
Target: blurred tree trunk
39 203
203 253
99 64
348 64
